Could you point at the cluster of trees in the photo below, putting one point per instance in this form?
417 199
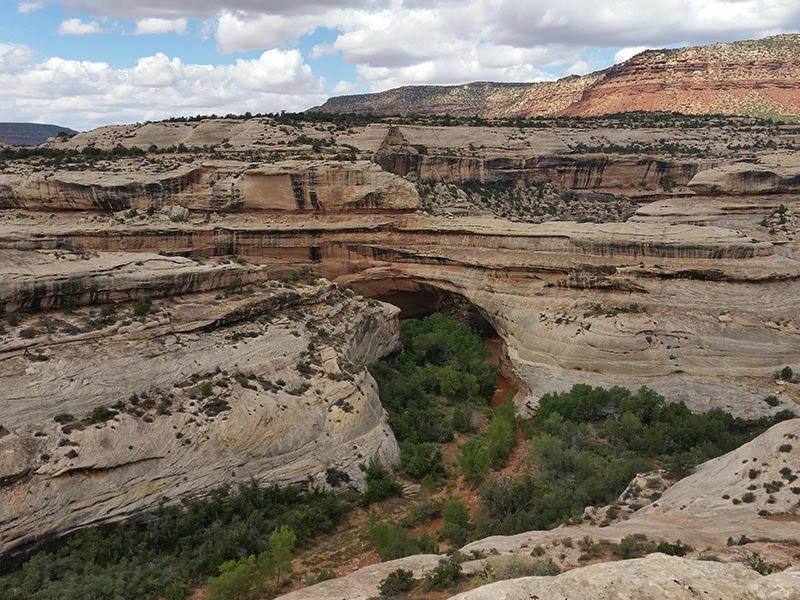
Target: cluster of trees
430 387
58 156
167 553
493 448
647 424
631 119
253 577
640 431
658 147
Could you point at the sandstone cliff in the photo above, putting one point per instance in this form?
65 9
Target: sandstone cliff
201 394
209 187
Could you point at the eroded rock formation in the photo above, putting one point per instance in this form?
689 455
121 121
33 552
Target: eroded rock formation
655 577
695 296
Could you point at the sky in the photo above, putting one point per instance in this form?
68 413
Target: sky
87 63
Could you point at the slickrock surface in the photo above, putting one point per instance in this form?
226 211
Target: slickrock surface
655 577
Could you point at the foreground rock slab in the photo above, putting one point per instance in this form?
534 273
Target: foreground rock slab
655 577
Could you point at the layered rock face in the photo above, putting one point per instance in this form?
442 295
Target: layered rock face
202 392
712 284
213 187
488 100
755 77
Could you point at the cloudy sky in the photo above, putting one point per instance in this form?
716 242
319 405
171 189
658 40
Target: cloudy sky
85 63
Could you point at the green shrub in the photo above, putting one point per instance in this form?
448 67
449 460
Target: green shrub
628 547
456 525
28 333
753 560
101 413
462 419
397 583
215 406
304 368
381 484
501 437
393 541
515 567
237 579
335 477
142 307
422 460
446 574
474 461
676 549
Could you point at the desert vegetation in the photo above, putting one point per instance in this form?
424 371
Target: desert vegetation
586 444
240 537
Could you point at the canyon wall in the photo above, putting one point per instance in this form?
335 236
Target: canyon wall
211 187
219 373
200 393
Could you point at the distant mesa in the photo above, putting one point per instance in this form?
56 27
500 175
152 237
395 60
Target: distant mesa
757 78
30 134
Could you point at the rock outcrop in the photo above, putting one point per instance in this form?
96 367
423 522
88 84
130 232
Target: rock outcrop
212 187
753 77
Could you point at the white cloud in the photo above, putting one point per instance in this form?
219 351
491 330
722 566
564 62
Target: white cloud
580 67
342 88
388 43
208 9
238 32
83 94
154 25
625 53
26 8
78 27
15 58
